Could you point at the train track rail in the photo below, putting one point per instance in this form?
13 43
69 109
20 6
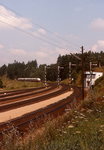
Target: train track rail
54 109
16 92
23 96
29 101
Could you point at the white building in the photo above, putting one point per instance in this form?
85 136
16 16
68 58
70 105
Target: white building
91 77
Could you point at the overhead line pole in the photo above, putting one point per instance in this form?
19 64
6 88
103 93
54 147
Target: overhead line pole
82 61
45 82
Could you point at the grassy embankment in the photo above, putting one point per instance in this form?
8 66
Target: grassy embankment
14 84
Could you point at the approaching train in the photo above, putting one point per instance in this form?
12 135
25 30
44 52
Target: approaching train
30 79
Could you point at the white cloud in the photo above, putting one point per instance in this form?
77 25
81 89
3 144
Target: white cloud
9 17
99 46
18 52
1 46
39 32
42 31
97 24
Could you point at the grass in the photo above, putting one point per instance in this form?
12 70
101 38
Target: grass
14 84
78 129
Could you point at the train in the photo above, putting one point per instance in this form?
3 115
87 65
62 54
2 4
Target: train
30 79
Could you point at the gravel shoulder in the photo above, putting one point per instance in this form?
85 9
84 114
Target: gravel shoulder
14 113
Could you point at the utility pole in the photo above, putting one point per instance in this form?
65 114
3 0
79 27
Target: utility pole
82 61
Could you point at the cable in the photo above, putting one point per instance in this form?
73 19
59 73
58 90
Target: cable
38 25
5 16
29 33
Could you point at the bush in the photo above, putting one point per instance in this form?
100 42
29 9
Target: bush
99 80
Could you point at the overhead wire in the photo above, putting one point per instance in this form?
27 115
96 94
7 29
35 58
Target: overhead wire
10 19
32 35
59 37
55 42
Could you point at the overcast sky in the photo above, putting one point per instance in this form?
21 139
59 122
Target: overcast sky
43 29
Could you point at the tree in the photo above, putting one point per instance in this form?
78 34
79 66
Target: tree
1 84
3 70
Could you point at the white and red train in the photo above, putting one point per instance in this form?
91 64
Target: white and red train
30 79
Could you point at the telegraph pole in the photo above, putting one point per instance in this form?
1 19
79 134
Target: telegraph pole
82 61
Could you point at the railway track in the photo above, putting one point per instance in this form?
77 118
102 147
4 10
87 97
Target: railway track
23 96
54 109
16 92
23 102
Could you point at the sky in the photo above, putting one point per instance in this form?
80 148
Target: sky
45 29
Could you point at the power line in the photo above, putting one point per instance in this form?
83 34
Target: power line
39 25
5 16
31 34
10 18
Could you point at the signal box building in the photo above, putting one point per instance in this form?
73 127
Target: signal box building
91 77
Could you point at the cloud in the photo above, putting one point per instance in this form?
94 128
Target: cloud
39 32
42 31
99 46
97 24
1 46
18 52
9 17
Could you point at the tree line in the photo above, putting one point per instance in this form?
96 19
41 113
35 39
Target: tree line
32 70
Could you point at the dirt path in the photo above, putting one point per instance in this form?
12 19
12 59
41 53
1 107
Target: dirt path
14 113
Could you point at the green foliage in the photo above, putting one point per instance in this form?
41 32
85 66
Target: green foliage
3 70
15 70
64 60
31 69
99 80
52 72
99 87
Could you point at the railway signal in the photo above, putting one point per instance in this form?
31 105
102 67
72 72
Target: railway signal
45 75
70 72
58 79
